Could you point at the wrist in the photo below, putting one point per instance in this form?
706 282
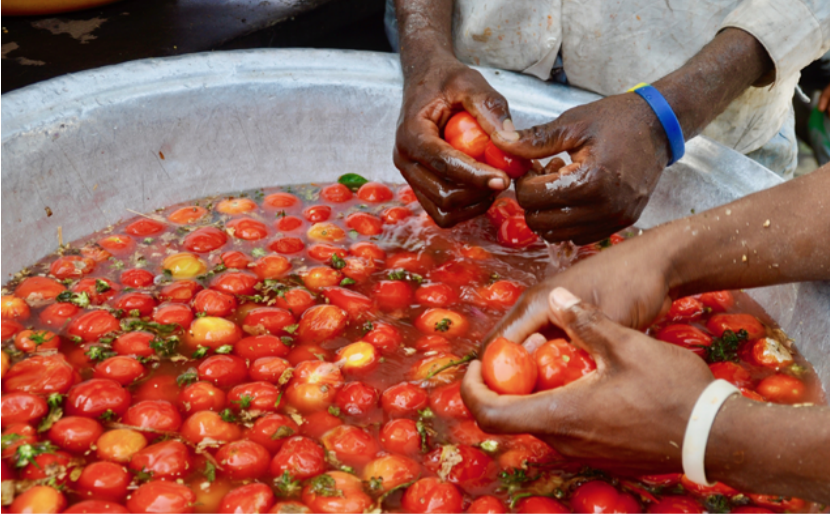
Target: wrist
725 457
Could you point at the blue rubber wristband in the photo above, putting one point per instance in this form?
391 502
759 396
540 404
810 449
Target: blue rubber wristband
667 118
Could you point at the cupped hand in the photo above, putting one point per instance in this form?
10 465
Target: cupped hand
618 149
628 415
451 186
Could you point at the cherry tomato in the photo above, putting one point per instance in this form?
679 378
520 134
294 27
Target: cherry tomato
406 195
356 399
318 423
255 396
161 497
248 498
271 266
187 214
501 294
122 369
364 223
463 133
71 266
201 396
514 233
223 370
513 165
704 491
159 387
458 273
599 496
336 193
321 323
436 295
391 295
718 301
442 322
780 388
271 431
431 495
36 290
390 471
247 228
153 414
268 369
91 326
287 245
468 467
720 323
686 309
235 259
358 306
142 303
55 316
404 399
22 408
205 239
96 507
419 263
136 278
296 301
770 353
38 374
446 402
75 434
732 372
336 492
173 314
280 200
243 460
685 336
393 215
301 457
541 504
235 282
374 192
119 445
267 320
314 386
41 499
326 231
104 481
437 369
401 436
676 505
36 341
559 363
384 337
180 291
144 227
209 425
488 505
507 368
353 446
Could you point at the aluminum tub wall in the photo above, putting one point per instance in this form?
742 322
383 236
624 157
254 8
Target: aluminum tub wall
150 133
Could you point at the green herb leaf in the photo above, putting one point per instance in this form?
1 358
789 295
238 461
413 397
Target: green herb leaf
99 353
282 432
108 415
286 485
258 252
287 341
227 415
725 348
224 349
291 328
244 401
188 377
26 453
324 485
101 286
210 471
347 282
337 262
334 410
443 325
200 352
352 180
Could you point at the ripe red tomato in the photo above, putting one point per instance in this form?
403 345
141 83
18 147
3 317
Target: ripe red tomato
254 497
271 266
207 424
201 396
295 301
401 436
43 466
38 374
780 388
173 314
243 460
720 323
40 498
36 341
364 223
406 195
162 496
559 363
323 252
514 233
384 337
214 303
391 295
117 244
404 399
268 369
93 325
301 457
513 165
436 295
321 323
463 133
223 370
769 353
468 467
159 387
288 223
247 228
280 200
599 496
393 215
71 266
704 491
317 213
122 369
676 505
104 481
271 431
35 290
144 227
686 309
458 273
265 345
255 396
314 386
235 282
205 239
718 301
501 294
22 408
180 291
685 336
541 504
442 322
487 505
412 262
262 320
322 277
446 402
96 506
167 459
367 250
90 286
778 503
336 193
153 414
136 278
95 397
187 214
358 306
130 303
336 492
431 495
356 399
286 245
390 471
436 369
75 434
507 368
374 192
353 446
733 373
235 259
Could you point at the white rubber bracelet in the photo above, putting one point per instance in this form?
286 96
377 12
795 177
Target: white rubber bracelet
699 426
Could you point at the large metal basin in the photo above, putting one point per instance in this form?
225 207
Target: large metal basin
89 147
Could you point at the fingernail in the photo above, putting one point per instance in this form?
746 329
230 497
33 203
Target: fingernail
508 135
562 299
508 126
496 183
534 341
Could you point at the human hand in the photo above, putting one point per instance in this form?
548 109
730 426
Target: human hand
451 186
618 148
629 415
824 100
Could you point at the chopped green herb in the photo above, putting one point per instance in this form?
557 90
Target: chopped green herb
347 282
725 347
101 286
291 328
286 485
258 252
200 352
99 353
337 262
148 240
227 416
224 349
27 452
188 377
287 341
210 471
244 401
324 485
443 325
334 410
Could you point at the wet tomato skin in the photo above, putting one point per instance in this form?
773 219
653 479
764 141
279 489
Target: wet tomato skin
134 343
599 496
350 496
167 459
502 209
92 325
243 459
40 498
180 291
223 370
354 446
96 507
201 396
336 193
720 323
153 414
22 408
159 496
401 436
541 504
508 368
301 457
676 505
57 315
271 431
104 481
356 399
431 495
780 388
209 425
375 192
38 289
513 165
560 363
404 399
488 505
40 375
514 233
248 498
258 396
96 396
445 401
75 434
136 278
463 133
121 369
685 336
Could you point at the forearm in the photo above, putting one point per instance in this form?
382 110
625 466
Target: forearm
771 449
425 32
702 88
775 236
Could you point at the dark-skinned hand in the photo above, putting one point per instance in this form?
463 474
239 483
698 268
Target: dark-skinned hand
451 186
618 149
629 415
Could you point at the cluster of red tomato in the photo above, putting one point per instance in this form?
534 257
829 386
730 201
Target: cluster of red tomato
287 352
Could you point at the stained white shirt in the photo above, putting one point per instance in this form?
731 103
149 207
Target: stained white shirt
609 46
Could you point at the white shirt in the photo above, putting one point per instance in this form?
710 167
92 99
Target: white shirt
609 46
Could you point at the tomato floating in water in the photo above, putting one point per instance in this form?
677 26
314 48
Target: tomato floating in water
507 368
514 233
780 388
599 496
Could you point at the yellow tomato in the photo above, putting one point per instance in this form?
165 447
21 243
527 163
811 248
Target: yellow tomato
184 265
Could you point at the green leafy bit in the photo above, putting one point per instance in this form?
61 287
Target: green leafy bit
354 234
513 477
725 347
282 432
286 485
149 240
227 416
291 328
9 439
376 484
515 499
324 485
426 413
352 180
40 337
150 326
281 214
144 475
188 377
108 415
334 410
422 431
80 299
347 282
101 286
99 353
116 264
135 313
26 453
398 274
210 471
165 347
443 325
200 352
337 262
258 252
490 446
287 340
166 272
717 503
367 327
244 401
225 349
463 360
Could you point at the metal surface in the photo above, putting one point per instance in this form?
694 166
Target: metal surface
89 146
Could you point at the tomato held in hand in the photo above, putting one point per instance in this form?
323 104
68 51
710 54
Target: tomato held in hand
507 368
513 165
464 134
559 363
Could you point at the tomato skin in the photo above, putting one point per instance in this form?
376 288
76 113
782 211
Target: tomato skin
92 325
223 370
167 459
318 423
104 481
271 266
71 266
393 470
280 200
393 215
401 436
463 133
431 495
268 369
686 309
514 233
255 347
501 294
356 399
323 252
301 457
271 431
540 504
96 507
141 302
236 205
247 498
209 425
430 365
263 396
144 227
159 387
55 316
780 388
685 336
22 408
384 337
119 445
136 278
296 301
40 499
720 323
559 362
598 496
391 295
35 290
27 341
94 397
286 245
321 277
262 320
200 396
122 369
442 322
180 291
41 375
436 295
364 223
676 505
314 386
75 434
404 399
513 165
326 231
317 213
353 446
153 414
321 323
458 273
10 328
508 368
718 301
187 214
474 470
159 496
214 303
336 193
205 239
243 460
771 354
235 282
419 263
307 352
487 505
350 498
358 306
705 490
247 229
374 192
778 503
446 402
173 313
732 372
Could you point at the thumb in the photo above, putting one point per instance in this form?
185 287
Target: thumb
535 142
587 326
490 109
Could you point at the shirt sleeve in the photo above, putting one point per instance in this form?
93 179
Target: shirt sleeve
794 32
